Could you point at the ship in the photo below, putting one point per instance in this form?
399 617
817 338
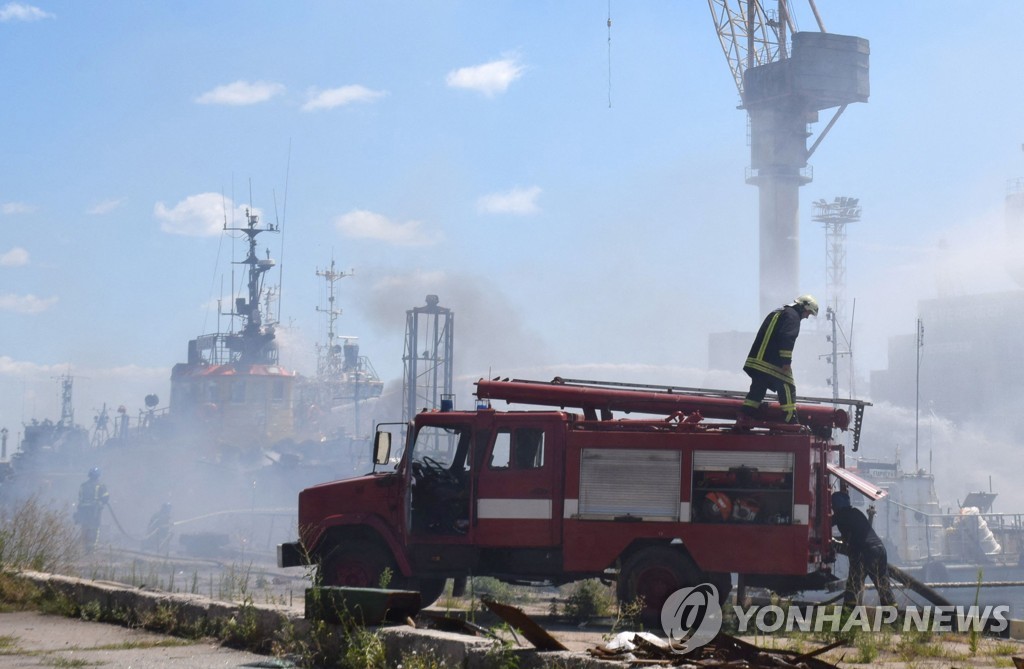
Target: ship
942 544
241 434
344 378
232 387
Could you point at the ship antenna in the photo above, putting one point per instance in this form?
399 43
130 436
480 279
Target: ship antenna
216 265
284 217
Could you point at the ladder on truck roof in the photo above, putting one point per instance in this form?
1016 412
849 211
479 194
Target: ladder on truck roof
603 397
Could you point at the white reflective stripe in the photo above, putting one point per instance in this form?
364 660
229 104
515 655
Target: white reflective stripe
572 507
684 512
801 514
521 509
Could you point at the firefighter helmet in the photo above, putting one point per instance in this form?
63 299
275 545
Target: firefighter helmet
807 303
94 473
717 505
840 500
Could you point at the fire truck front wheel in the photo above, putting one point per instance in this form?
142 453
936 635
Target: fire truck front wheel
654 573
356 564
361 564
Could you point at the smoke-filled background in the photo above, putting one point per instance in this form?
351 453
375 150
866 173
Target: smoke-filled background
574 193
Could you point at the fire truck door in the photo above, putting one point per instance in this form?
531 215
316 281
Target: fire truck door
518 498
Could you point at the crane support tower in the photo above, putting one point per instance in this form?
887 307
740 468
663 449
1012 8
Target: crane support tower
429 346
835 216
783 84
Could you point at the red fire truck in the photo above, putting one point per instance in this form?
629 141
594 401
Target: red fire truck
672 492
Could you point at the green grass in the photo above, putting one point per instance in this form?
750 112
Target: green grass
68 662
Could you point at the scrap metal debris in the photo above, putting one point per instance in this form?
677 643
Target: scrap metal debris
724 652
439 621
533 632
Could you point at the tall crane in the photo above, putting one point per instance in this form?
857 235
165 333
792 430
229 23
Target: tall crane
785 77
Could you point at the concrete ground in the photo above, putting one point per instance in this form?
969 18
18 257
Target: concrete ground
35 640
31 639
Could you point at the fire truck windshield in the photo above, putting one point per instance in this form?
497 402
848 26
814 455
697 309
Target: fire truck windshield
442 447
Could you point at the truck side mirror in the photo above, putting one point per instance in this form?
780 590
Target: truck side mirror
381 448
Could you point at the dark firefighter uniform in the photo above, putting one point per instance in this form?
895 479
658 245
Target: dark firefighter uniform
92 496
865 550
768 363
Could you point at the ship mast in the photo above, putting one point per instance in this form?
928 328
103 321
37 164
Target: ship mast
254 344
329 360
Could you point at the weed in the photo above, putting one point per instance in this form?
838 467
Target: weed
867 649
588 599
91 611
55 602
164 618
69 662
915 644
1002 648
17 593
628 615
318 647
242 629
501 655
34 536
417 660
385 578
491 588
365 649
8 644
234 585
974 636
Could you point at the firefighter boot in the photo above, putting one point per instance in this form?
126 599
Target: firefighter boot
746 416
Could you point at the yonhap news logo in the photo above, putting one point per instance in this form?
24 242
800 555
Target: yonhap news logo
692 617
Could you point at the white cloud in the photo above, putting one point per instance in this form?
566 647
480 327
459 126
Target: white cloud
16 257
515 201
15 11
361 224
25 304
12 208
201 215
241 93
106 206
489 78
339 97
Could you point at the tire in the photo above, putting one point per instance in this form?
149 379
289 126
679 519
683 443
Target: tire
430 590
723 582
356 564
360 564
654 573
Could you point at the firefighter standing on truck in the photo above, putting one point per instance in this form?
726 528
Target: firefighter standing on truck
769 363
865 550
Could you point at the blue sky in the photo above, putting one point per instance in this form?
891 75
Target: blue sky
469 150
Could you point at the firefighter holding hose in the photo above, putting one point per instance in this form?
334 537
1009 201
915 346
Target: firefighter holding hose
92 497
865 550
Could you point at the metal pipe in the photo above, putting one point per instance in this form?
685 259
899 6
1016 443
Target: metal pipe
663 403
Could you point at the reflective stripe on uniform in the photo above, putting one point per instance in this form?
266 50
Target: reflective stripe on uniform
768 335
769 369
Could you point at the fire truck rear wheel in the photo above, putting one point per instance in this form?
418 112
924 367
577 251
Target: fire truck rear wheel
430 589
356 564
654 573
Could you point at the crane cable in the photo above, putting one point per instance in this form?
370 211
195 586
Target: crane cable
609 54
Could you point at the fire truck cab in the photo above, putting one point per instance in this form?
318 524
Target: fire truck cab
676 497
